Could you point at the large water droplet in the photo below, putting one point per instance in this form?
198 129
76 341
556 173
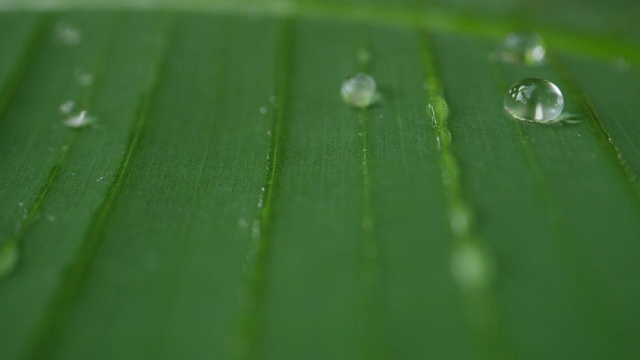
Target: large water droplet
526 48
534 100
359 90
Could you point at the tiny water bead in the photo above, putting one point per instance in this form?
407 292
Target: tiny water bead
535 100
67 107
83 77
359 90
80 120
67 34
525 48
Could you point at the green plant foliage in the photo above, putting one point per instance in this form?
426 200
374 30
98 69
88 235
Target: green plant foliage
226 202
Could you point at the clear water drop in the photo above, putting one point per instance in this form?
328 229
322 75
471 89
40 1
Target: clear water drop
359 90
525 48
67 107
536 100
80 120
471 267
68 34
83 77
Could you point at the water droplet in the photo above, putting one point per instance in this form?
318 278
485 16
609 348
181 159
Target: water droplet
263 110
51 218
100 178
67 107
534 100
471 267
255 229
273 99
68 34
364 56
460 220
621 64
243 223
525 48
80 120
83 77
21 204
359 90
9 255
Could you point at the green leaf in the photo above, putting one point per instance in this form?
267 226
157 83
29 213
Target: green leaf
226 203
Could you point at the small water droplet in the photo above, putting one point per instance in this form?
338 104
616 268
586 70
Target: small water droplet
471 267
364 56
255 229
67 107
621 64
51 218
21 204
243 223
273 99
359 90
80 120
460 220
9 255
425 86
263 110
525 48
534 100
68 34
83 77
269 133
100 178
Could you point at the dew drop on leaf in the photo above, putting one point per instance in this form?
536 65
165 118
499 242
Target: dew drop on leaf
83 77
524 48
471 267
359 90
535 100
67 107
68 35
80 120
